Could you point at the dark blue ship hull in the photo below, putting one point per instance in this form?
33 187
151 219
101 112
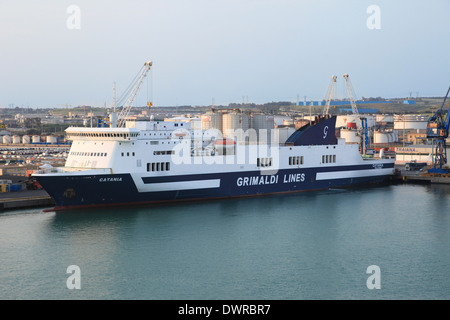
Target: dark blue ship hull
120 189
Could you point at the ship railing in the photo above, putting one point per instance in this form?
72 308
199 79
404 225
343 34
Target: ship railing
51 170
56 170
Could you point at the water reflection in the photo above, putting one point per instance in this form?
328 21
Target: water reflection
294 246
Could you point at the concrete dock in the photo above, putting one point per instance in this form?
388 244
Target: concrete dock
25 199
418 177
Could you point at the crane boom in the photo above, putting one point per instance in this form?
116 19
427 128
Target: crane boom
329 94
351 94
121 119
437 129
361 122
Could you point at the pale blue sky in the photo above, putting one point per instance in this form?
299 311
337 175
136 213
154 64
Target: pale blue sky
266 50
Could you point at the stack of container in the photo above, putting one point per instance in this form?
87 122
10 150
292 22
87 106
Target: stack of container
5 185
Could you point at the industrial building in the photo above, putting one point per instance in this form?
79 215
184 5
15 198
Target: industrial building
414 153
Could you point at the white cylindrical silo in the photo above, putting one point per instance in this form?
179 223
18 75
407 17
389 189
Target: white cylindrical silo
6 139
51 139
16 139
206 121
36 139
263 125
26 139
388 118
395 133
234 121
350 136
211 120
410 122
280 135
380 137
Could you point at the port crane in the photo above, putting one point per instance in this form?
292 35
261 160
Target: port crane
132 89
437 129
351 95
362 124
329 94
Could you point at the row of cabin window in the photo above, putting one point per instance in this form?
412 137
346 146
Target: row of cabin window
154 134
157 153
329 158
109 135
264 162
158 166
90 154
128 154
294 161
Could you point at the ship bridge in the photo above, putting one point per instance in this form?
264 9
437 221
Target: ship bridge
107 134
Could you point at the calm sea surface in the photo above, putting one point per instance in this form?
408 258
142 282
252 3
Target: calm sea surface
304 246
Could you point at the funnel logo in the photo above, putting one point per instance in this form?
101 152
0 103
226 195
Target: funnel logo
325 132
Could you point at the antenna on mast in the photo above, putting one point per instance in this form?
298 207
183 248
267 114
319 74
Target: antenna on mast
114 97
113 115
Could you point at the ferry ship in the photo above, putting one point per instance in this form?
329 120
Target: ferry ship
148 162
158 161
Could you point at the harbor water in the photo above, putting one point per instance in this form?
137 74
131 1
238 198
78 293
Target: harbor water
316 245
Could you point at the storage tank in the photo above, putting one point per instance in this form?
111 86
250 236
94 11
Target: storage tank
6 139
26 139
36 139
381 137
263 124
408 122
211 120
395 134
16 139
350 136
261 121
385 118
51 139
280 135
233 121
385 136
